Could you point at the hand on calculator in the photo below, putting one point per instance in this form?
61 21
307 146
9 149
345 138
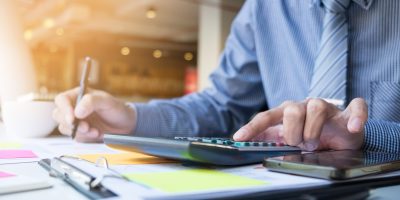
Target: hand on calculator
313 124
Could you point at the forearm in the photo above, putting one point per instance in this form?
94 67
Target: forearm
198 114
382 136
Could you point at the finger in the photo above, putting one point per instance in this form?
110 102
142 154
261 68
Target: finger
83 127
318 111
92 102
57 116
358 110
272 134
258 124
92 135
293 123
65 102
64 130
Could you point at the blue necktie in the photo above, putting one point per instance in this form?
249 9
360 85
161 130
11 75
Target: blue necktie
330 69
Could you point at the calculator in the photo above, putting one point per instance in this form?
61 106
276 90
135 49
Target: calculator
208 150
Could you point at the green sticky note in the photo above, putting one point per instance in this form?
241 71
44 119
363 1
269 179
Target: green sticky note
10 145
193 180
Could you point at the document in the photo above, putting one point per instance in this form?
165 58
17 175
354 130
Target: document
125 158
181 181
65 146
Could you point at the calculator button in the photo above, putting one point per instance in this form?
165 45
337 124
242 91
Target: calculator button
220 141
206 140
193 139
264 144
238 144
209 140
270 144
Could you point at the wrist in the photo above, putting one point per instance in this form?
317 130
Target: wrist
362 138
131 117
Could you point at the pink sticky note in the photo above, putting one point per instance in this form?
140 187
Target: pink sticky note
9 154
5 174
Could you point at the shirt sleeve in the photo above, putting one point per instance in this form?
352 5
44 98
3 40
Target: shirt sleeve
382 136
235 95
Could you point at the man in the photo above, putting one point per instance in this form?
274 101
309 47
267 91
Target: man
310 66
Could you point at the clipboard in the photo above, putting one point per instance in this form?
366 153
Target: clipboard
81 181
95 172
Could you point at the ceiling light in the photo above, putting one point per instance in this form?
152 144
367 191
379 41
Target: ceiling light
28 35
125 51
157 53
48 23
188 56
151 13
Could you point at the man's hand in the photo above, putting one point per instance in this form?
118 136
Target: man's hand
312 125
98 112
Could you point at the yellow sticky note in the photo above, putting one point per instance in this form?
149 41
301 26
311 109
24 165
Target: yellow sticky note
125 158
193 180
10 145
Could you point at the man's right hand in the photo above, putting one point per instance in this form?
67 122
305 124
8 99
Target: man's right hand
98 112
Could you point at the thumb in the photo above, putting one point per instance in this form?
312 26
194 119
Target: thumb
89 103
358 112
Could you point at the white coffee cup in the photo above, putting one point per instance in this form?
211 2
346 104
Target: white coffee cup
28 118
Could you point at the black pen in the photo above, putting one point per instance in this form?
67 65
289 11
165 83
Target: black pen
82 89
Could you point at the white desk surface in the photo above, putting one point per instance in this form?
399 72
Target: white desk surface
61 190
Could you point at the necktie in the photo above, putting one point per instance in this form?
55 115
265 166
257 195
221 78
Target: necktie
330 69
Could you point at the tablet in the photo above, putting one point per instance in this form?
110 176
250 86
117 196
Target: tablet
335 164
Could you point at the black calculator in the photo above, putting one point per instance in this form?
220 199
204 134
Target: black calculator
217 151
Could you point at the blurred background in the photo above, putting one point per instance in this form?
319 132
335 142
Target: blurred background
142 49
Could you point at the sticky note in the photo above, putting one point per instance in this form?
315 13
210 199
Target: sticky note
5 174
9 154
192 180
10 145
125 158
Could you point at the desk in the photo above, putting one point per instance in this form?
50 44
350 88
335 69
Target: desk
61 190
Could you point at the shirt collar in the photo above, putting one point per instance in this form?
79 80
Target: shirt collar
363 3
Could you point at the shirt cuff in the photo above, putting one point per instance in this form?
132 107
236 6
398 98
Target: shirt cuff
383 136
146 125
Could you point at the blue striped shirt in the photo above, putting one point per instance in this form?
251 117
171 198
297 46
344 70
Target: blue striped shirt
269 58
